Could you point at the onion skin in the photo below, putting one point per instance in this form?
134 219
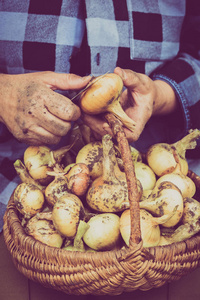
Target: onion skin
109 87
103 96
66 214
38 162
108 196
28 199
44 231
24 174
183 182
150 229
160 157
191 211
163 200
161 160
92 155
78 179
190 223
57 188
103 232
145 175
109 193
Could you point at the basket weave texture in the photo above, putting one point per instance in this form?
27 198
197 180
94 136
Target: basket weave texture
99 273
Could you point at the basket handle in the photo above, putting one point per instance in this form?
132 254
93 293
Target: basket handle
133 193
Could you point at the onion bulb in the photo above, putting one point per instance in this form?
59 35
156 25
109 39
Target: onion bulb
66 214
55 189
39 160
103 96
189 226
92 155
103 232
24 174
145 175
78 179
160 157
44 231
191 210
164 199
149 226
183 182
28 199
109 193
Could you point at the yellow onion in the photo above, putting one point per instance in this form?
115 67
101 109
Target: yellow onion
145 175
103 232
160 157
163 200
92 155
191 210
55 189
149 226
189 225
103 96
109 193
183 182
28 199
24 174
39 160
44 231
66 214
78 179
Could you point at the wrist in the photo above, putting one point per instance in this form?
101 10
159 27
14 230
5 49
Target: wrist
165 101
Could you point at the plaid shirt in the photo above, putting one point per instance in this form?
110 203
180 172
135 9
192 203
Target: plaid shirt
157 37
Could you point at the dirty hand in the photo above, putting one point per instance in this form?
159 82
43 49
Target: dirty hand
32 111
141 99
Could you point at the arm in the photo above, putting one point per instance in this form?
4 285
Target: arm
32 111
170 90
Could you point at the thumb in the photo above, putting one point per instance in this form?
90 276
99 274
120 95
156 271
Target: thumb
65 81
130 78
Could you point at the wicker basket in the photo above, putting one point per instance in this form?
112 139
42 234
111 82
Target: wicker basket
99 273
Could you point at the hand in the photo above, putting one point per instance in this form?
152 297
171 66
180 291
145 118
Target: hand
32 111
141 99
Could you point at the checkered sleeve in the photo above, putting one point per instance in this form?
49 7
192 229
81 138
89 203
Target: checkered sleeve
183 72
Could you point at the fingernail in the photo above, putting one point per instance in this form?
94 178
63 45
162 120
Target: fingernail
86 77
121 73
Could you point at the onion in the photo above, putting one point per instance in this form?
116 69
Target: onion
66 214
39 160
191 210
149 226
24 175
145 175
190 224
78 179
92 155
183 182
136 155
163 200
103 232
160 157
108 193
103 96
44 231
28 199
55 189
